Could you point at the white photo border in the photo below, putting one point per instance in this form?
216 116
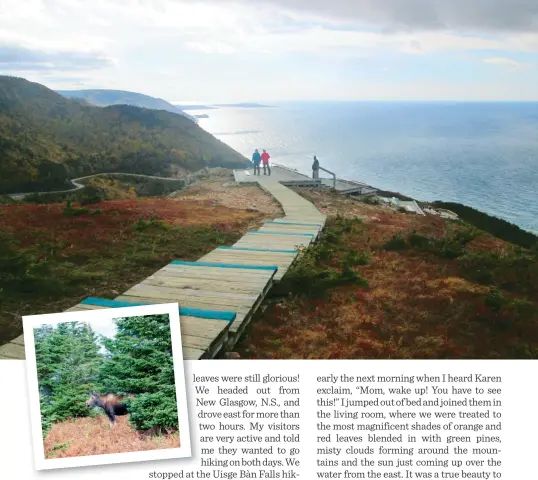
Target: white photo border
32 321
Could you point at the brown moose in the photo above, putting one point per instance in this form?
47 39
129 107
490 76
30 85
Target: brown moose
112 404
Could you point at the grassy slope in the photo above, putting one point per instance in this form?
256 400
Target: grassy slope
445 293
47 138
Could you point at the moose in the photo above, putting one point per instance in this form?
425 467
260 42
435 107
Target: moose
112 404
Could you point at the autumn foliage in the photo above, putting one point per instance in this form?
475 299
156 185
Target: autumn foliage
95 436
428 288
54 255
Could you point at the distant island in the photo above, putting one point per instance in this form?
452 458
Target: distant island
203 115
219 105
243 105
193 107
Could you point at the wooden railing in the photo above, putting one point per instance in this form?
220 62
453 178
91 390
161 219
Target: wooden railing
279 165
331 173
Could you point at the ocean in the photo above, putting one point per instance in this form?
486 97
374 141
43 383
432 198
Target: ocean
481 154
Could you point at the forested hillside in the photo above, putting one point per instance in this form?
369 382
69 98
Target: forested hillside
104 98
46 139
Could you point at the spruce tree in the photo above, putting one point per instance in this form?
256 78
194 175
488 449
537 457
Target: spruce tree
140 362
68 361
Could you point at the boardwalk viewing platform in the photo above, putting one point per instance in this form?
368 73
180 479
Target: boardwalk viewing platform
219 294
290 177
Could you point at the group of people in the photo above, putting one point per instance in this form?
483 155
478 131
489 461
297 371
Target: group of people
258 158
263 158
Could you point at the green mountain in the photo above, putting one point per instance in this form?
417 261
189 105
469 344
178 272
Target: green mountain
105 98
46 139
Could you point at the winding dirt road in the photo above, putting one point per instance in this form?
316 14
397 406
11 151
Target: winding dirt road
78 186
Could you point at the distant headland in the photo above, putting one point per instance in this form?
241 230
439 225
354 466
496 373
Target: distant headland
222 105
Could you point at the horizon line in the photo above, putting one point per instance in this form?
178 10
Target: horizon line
422 100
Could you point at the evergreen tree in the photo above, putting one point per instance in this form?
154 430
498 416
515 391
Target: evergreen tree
141 363
68 361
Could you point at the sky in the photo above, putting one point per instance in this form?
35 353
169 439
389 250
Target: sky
216 51
101 326
104 326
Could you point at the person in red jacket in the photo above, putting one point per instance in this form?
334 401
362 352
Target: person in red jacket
265 161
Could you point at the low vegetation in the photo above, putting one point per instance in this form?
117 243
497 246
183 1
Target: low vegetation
54 255
495 226
135 186
422 287
513 269
93 436
326 265
109 187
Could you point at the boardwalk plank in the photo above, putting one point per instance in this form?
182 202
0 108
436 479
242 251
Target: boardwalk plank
211 285
187 302
262 260
229 272
201 327
12 351
19 340
250 256
195 293
255 253
280 242
255 280
192 353
290 227
172 294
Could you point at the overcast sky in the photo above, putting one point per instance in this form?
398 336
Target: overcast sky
270 50
101 326
104 326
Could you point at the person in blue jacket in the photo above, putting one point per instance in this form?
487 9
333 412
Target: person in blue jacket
256 159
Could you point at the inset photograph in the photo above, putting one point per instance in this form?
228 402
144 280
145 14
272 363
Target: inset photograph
106 386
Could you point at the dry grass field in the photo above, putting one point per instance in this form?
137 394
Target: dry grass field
94 436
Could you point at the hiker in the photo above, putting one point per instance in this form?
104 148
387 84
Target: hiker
256 159
315 168
265 160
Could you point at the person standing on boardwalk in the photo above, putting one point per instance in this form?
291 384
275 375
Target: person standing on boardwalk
265 160
256 159
315 168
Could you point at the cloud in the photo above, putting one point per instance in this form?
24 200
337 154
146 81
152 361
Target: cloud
321 39
28 54
455 15
211 46
505 63
104 326
24 59
199 48
361 27
275 27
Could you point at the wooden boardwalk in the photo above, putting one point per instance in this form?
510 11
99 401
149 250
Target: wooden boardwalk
293 178
219 294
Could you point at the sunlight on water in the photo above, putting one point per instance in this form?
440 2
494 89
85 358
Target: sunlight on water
482 154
